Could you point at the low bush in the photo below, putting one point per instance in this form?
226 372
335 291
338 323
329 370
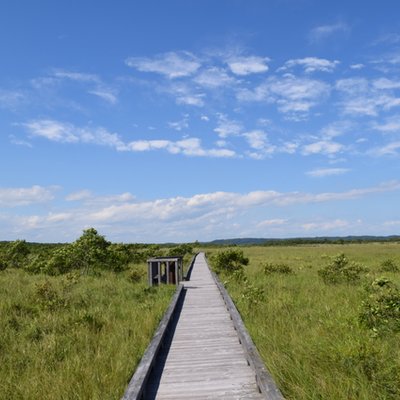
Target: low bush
341 270
389 265
136 274
270 268
252 294
380 311
230 260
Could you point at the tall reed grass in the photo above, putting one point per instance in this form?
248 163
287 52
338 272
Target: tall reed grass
308 332
74 336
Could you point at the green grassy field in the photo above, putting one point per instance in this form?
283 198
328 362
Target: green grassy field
308 332
73 336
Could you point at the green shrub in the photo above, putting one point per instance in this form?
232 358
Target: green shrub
181 250
341 270
252 294
282 268
135 274
380 311
230 260
3 263
17 253
48 296
389 265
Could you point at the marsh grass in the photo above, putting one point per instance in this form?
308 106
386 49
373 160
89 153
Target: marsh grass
309 333
74 336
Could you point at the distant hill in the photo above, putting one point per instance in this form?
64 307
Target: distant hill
301 240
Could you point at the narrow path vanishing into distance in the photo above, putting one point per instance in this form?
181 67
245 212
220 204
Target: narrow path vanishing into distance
204 358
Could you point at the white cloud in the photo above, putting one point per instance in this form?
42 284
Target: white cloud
392 125
258 141
384 83
171 64
270 223
227 127
9 99
13 197
392 223
100 89
322 172
388 38
323 32
322 147
335 129
188 147
19 142
53 130
78 196
390 149
179 125
242 65
200 216
357 66
76 76
67 133
292 95
184 94
105 94
312 64
326 225
360 97
214 77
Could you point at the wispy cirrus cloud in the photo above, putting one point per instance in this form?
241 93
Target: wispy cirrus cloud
360 97
323 32
68 133
326 225
389 149
180 125
172 64
185 94
391 125
214 77
311 64
294 96
10 99
93 84
323 172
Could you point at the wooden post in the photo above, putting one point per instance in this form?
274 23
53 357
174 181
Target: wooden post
159 272
167 271
149 273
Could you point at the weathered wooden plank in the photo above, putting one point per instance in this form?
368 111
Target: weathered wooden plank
265 381
205 359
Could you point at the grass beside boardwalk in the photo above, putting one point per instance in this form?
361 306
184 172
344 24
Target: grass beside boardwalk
308 332
73 336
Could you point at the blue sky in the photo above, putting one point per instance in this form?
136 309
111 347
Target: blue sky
195 120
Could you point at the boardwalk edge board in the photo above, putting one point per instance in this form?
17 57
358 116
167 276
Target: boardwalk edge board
264 380
137 384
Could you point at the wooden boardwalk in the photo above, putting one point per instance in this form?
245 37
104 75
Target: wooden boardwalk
204 358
